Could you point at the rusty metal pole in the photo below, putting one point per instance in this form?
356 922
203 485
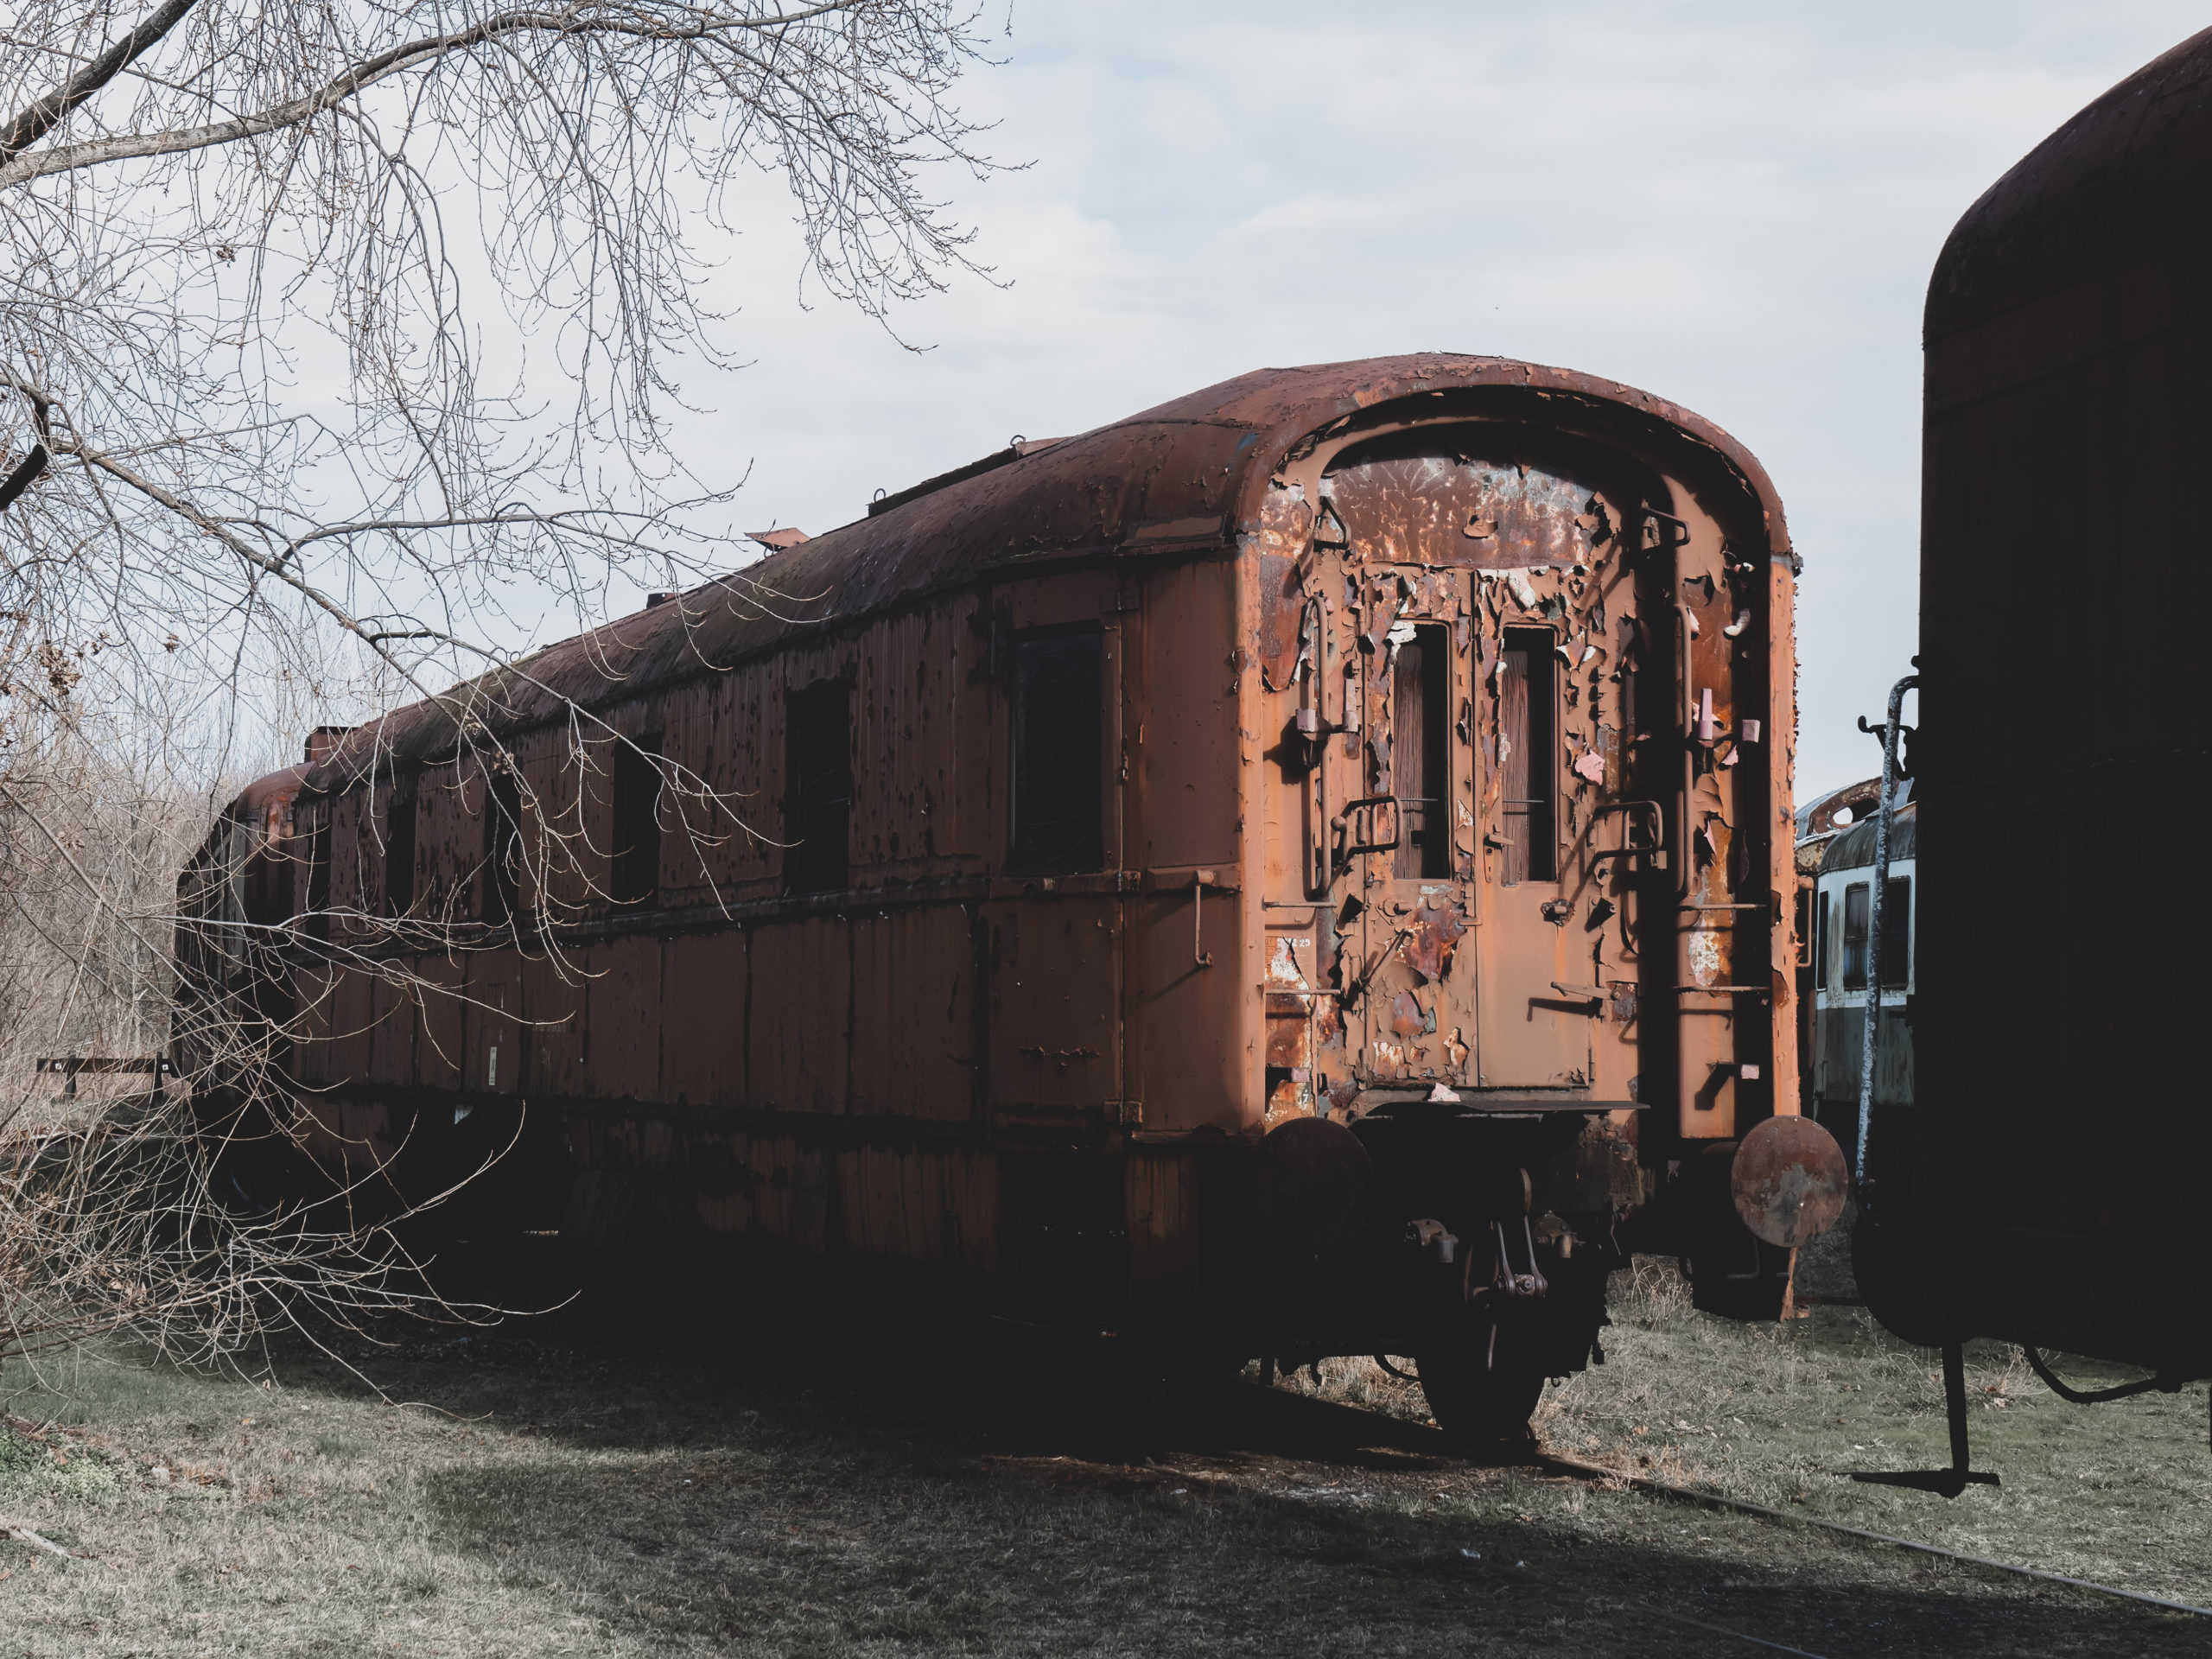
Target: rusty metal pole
1884 813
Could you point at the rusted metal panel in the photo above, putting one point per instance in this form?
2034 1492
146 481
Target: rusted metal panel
789 1183
1403 502
926 1204
438 1025
914 1031
493 1032
914 802
316 994
802 1011
1161 1191
625 1011
1293 1003
1190 762
353 1020
352 876
857 1069
704 1012
1055 1014
1201 460
554 813
391 1031
449 842
553 989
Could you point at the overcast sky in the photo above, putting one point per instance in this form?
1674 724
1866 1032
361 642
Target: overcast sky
1735 206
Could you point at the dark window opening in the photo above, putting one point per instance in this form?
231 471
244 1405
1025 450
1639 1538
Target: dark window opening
503 848
1854 936
399 853
1420 768
1897 933
1527 760
1058 753
319 875
634 878
818 801
1823 975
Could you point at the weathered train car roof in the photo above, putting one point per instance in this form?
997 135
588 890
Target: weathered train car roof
1188 473
2115 182
1854 849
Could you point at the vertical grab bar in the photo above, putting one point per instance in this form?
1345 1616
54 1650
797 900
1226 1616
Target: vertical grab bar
1884 813
1683 852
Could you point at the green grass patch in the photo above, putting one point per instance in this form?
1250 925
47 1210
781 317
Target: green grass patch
606 1482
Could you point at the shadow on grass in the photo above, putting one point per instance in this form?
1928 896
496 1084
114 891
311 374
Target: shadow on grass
748 1478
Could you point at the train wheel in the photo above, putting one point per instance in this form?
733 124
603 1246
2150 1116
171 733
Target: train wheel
1482 1407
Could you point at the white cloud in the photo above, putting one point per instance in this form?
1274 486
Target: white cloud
1734 205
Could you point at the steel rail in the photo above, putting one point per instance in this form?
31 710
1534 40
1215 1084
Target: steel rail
1714 1500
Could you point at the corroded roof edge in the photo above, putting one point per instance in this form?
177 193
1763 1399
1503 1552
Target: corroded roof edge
1182 475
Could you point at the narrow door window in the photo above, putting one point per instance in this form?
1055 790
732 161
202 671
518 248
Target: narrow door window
635 876
1823 975
1854 936
1059 756
818 800
1421 775
1526 767
1897 933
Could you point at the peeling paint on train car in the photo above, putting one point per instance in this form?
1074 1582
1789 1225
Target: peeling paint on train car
1404 762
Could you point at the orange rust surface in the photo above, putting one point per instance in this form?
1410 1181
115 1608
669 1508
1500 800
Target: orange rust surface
1233 961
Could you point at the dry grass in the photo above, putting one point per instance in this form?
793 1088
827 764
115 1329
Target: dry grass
593 1485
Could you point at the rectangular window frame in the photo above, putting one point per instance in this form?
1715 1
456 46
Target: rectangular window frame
400 824
499 900
1896 934
1824 968
1857 920
1042 840
1420 761
636 785
318 871
1531 834
818 786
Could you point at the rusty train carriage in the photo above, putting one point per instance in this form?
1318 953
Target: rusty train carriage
1300 870
2044 1184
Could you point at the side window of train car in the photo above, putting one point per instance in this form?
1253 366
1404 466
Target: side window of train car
318 872
1824 975
1418 761
818 798
1854 936
399 848
1897 933
502 891
1527 760
634 874
1059 794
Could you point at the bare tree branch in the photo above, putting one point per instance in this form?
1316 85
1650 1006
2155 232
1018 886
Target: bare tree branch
357 332
42 117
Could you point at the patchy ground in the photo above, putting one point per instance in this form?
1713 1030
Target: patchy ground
589 1484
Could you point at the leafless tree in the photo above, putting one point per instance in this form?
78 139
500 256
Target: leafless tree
339 358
